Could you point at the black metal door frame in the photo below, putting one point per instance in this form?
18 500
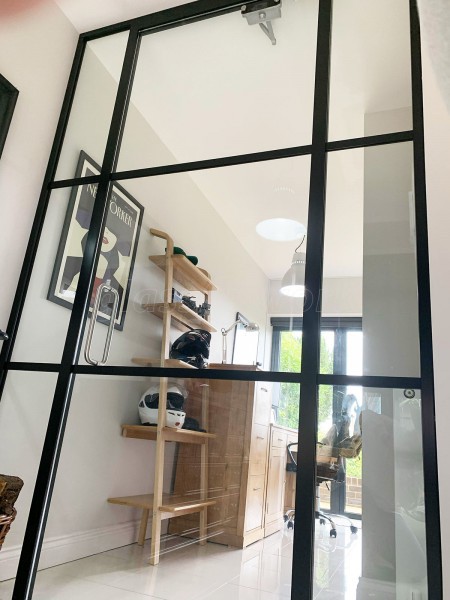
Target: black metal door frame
310 378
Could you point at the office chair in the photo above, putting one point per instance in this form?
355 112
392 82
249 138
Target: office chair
327 470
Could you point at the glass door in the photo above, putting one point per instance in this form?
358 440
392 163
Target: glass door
187 187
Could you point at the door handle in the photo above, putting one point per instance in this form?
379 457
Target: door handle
104 287
3 336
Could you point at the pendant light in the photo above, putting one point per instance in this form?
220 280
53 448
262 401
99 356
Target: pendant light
293 283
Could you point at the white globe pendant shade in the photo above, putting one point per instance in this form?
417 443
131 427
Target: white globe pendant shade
293 283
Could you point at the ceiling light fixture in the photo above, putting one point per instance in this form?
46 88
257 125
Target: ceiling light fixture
293 283
262 14
280 229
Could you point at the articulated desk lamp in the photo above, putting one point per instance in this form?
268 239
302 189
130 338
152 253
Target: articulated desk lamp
248 327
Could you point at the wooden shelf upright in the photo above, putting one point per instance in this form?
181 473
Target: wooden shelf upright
163 506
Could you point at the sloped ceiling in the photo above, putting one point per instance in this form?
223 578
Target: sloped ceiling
218 88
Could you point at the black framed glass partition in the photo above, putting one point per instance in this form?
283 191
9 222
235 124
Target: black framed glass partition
180 160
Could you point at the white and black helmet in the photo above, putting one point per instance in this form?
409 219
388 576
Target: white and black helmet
149 402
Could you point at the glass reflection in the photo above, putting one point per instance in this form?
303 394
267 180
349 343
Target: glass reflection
370 258
385 558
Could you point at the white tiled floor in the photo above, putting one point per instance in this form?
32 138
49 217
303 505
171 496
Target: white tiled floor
212 572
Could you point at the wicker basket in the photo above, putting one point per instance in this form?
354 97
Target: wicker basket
10 493
5 524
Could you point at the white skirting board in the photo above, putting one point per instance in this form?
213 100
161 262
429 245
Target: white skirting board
65 548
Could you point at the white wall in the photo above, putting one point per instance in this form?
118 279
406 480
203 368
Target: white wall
36 52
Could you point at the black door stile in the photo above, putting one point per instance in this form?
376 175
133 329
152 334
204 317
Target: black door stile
429 448
54 437
303 558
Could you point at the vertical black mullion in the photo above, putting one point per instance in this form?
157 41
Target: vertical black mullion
41 211
303 556
432 517
37 518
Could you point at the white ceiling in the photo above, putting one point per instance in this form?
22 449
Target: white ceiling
218 87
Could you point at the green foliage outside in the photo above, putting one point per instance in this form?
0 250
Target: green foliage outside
290 361
353 466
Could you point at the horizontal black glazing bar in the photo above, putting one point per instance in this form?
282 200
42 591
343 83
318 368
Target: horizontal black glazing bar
40 367
172 17
228 374
64 183
238 375
370 140
240 159
199 165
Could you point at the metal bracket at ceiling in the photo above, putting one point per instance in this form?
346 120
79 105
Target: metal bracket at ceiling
263 13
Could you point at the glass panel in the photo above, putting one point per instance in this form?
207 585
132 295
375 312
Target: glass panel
212 217
370 256
383 556
219 87
54 280
370 79
24 412
237 481
93 104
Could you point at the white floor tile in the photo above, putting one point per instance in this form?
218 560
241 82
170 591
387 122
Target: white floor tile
235 592
188 571
49 586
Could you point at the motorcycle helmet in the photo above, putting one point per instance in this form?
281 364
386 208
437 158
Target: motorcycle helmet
149 403
192 347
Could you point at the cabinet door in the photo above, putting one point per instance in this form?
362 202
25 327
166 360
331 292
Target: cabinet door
279 438
263 403
258 450
254 512
275 484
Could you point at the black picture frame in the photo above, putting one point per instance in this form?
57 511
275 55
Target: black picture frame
121 238
8 99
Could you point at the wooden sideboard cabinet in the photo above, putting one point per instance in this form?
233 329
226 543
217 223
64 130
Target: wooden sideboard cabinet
246 464
276 478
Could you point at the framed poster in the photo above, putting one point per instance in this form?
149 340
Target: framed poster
118 250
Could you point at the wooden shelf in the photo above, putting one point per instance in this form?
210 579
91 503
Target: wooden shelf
172 506
156 362
182 316
191 277
170 434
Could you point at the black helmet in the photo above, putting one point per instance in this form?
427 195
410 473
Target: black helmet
192 347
